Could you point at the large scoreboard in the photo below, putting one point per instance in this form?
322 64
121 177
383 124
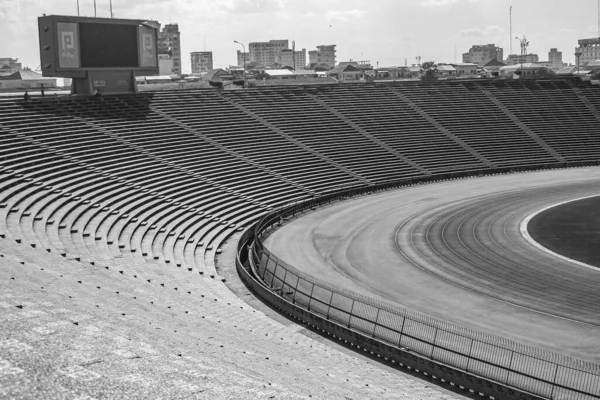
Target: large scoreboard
90 48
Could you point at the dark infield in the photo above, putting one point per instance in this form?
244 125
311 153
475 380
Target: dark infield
571 229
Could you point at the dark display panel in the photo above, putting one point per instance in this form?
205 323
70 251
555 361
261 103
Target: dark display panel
108 45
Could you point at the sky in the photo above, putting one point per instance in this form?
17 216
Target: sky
384 32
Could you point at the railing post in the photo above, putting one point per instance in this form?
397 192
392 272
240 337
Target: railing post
351 310
469 357
376 319
433 345
295 290
512 354
275 270
554 382
401 331
329 304
283 283
267 263
310 296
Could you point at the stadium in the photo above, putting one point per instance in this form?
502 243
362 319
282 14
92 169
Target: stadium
125 217
417 239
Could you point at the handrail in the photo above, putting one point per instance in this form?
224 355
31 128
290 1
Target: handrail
536 371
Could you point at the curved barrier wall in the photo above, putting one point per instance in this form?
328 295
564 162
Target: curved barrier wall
523 370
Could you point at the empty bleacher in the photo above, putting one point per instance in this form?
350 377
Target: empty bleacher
154 184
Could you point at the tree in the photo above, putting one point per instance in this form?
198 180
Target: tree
430 71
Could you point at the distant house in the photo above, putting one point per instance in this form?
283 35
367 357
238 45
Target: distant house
217 74
494 66
153 80
526 69
393 73
347 73
279 74
26 80
465 69
445 71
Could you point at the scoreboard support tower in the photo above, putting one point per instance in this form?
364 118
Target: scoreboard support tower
98 54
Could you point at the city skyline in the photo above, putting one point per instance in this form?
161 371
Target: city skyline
385 32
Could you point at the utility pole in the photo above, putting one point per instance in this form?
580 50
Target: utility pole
294 54
577 56
95 14
510 34
111 12
78 8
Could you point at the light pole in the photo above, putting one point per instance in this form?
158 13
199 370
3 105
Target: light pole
244 56
524 44
577 56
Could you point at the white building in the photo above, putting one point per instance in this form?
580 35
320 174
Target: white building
555 59
267 53
482 54
325 54
202 62
165 64
465 69
10 65
514 59
589 49
242 58
295 59
26 80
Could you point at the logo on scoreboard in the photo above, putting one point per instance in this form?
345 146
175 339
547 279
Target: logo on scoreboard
68 46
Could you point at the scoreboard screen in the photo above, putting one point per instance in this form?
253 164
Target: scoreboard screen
108 45
70 46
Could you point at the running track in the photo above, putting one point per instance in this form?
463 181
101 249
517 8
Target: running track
453 250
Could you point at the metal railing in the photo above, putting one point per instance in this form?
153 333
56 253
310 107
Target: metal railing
527 368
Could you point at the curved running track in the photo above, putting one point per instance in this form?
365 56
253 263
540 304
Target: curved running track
453 250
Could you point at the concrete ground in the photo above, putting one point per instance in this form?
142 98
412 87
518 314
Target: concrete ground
73 330
453 250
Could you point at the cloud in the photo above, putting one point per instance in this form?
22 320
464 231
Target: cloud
10 11
442 3
345 15
247 6
568 31
490 31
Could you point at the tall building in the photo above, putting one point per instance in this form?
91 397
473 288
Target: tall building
589 49
169 43
555 58
267 53
482 54
325 54
202 61
514 59
295 59
242 58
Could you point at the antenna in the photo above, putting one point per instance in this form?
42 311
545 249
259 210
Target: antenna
510 34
